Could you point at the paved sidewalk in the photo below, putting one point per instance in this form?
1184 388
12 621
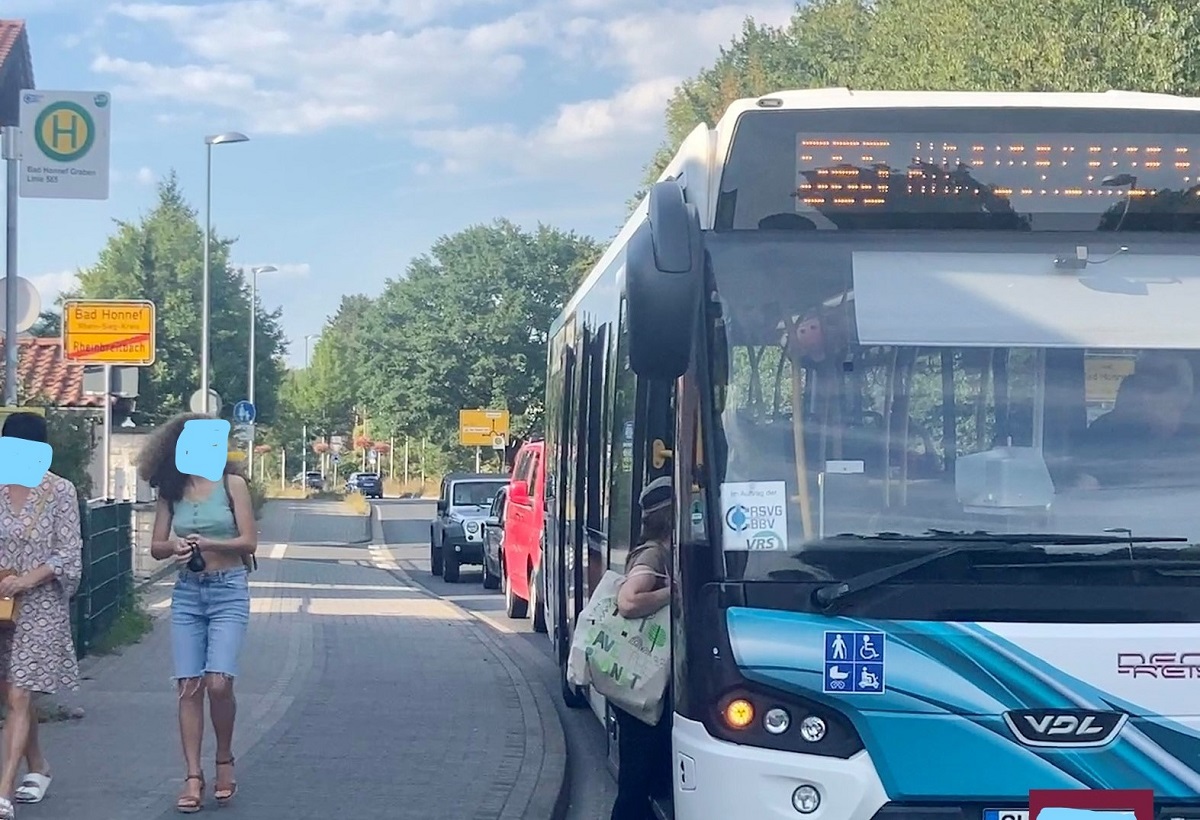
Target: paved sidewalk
361 696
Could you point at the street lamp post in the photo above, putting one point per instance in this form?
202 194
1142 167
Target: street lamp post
304 450
254 272
205 308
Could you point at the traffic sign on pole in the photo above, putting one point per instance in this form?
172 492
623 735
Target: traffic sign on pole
244 412
196 403
64 144
109 331
479 428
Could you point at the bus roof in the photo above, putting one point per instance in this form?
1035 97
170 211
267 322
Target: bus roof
825 98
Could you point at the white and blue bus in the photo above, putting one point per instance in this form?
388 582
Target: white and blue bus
924 368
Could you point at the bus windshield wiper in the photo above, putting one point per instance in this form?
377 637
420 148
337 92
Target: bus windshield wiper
827 596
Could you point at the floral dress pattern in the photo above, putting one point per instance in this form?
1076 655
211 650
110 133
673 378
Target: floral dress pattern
38 653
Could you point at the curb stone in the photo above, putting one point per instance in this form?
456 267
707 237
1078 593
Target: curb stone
547 790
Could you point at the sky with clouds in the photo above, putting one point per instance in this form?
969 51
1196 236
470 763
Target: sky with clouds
376 125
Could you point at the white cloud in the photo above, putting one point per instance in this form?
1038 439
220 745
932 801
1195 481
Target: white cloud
601 129
146 176
654 49
52 285
637 43
292 66
297 66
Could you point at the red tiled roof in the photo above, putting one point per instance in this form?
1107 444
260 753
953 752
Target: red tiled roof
44 373
13 39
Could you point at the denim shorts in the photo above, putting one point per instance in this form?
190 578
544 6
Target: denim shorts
209 615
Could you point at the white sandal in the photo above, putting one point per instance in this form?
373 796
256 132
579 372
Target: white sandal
32 789
6 809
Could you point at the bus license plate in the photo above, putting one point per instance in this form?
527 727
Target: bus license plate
1006 814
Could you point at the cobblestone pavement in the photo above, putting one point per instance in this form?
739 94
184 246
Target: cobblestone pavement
361 695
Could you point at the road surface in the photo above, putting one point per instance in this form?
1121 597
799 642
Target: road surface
360 695
405 530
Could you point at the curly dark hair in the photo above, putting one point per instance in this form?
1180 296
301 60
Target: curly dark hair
156 461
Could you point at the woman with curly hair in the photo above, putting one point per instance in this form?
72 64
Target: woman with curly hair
208 528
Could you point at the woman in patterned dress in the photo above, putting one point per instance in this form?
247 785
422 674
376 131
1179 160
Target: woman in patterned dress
41 542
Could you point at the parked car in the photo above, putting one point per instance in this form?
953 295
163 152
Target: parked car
493 541
456 533
311 480
524 536
368 484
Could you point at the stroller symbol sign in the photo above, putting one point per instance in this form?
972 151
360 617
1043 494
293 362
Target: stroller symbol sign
854 662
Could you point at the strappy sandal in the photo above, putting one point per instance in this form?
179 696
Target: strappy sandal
7 812
186 804
224 794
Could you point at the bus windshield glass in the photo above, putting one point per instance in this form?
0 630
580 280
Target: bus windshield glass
894 384
982 169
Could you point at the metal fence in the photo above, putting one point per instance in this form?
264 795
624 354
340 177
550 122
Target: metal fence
106 587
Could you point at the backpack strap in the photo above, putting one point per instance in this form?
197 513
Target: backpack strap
251 561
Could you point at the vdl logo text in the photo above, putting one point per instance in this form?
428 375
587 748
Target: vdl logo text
741 517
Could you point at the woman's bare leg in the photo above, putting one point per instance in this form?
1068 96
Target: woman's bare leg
15 736
222 708
191 730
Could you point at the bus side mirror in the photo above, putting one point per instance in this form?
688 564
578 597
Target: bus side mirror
664 276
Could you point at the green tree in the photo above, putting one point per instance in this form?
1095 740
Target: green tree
467 327
332 387
160 258
48 325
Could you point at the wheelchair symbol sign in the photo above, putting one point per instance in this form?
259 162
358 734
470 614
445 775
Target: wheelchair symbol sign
854 662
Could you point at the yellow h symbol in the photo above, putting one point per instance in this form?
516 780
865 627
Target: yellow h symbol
71 130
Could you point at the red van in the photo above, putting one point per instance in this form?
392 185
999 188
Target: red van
524 536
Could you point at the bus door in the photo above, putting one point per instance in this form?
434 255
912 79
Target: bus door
653 452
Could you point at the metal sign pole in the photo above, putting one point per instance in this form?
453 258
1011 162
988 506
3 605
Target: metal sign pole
108 430
13 164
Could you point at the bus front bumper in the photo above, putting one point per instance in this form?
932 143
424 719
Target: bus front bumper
725 780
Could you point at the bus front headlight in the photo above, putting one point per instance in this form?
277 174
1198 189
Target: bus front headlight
777 720
812 729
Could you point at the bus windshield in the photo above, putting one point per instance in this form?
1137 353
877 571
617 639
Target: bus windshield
901 384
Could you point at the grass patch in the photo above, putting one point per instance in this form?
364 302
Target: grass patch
132 624
358 503
327 495
275 491
397 488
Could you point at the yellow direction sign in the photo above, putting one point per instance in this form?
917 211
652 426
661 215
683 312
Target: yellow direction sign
109 331
479 428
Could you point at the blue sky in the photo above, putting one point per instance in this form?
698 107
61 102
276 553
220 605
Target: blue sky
376 125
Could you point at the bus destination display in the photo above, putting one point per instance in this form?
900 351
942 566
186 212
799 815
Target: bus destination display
1047 173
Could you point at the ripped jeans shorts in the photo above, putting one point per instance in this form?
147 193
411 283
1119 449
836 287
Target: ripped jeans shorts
209 615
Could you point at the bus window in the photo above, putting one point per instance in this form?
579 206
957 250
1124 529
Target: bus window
621 481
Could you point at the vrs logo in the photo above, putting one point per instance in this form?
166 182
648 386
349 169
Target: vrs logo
765 540
1074 728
